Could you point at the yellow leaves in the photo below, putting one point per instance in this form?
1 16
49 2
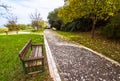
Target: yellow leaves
111 14
4 29
70 12
80 8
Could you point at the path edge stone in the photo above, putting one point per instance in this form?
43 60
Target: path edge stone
101 55
51 63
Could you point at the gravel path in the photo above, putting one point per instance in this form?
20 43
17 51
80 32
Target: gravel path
75 63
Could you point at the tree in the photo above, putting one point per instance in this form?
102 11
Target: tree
12 26
36 20
4 29
54 20
22 26
95 9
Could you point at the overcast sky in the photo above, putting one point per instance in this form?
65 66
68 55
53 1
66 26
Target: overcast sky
23 8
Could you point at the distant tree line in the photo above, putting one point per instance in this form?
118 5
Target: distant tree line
37 23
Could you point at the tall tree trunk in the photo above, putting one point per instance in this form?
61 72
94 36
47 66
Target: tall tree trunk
93 27
6 32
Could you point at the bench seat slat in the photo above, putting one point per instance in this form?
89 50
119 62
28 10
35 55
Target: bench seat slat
40 51
32 52
33 64
36 52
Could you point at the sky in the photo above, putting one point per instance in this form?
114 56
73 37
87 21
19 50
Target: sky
23 8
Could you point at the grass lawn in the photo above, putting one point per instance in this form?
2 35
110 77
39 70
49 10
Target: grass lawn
10 64
38 32
109 48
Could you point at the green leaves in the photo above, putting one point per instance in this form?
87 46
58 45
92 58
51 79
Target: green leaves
78 8
54 20
94 9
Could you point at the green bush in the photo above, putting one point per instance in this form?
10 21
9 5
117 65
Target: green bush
33 30
70 26
112 30
22 26
3 30
81 24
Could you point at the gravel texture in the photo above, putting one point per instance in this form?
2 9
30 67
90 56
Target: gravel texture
75 63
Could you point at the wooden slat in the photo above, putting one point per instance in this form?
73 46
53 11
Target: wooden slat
36 51
35 58
32 52
25 49
38 55
40 51
33 64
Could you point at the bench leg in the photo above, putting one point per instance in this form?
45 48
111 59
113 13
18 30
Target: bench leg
43 64
23 64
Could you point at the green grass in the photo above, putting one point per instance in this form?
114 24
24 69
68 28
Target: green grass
38 32
109 48
10 64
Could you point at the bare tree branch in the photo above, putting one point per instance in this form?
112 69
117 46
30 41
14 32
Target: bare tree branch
4 9
35 19
12 18
35 16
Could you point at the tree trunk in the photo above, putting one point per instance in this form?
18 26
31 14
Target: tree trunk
6 32
37 28
93 28
17 31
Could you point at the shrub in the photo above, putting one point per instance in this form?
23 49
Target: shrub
112 30
4 29
1 31
81 24
70 26
22 26
33 30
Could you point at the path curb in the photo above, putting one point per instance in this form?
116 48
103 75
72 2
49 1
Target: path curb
101 55
51 63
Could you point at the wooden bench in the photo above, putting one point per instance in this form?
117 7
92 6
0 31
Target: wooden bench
32 58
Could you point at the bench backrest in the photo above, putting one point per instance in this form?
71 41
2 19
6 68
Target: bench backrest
25 49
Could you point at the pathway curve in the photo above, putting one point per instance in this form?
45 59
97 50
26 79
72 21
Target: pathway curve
76 63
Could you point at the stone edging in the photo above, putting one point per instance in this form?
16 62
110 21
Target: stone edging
101 55
51 63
